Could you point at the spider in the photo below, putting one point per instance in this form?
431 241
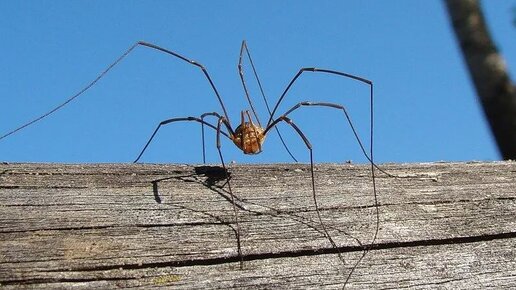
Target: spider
250 135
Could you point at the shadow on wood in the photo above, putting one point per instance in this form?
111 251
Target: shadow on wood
442 225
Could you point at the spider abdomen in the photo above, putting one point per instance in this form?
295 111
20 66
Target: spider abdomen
249 138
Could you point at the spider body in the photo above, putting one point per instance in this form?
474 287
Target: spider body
248 136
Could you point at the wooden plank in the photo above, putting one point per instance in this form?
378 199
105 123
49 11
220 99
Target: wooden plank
116 225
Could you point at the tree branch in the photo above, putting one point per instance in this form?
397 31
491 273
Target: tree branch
487 69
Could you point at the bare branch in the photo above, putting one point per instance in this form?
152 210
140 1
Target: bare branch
488 71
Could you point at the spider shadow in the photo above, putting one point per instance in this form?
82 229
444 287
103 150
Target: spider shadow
212 176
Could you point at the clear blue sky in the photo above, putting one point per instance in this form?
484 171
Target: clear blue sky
425 105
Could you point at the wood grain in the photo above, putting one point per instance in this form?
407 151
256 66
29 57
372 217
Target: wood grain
442 225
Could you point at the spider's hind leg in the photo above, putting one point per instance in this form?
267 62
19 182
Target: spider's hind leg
368 156
194 119
287 120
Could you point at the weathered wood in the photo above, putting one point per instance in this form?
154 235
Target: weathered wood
442 225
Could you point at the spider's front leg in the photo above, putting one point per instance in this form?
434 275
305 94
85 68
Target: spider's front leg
110 67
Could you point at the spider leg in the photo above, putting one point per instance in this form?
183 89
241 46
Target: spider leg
235 210
241 74
111 66
336 106
217 115
309 147
194 119
370 158
192 62
245 49
327 71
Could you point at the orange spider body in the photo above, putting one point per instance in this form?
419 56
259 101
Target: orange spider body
248 136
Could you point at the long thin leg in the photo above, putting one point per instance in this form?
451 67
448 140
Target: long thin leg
235 210
331 105
245 49
314 196
338 73
342 74
117 61
178 120
205 72
313 69
242 79
217 115
370 158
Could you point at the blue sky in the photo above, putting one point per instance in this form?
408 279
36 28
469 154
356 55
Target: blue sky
425 106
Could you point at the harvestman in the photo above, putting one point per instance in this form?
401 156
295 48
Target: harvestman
248 135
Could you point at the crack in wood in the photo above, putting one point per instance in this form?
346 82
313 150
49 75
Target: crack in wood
87 228
299 253
60 280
